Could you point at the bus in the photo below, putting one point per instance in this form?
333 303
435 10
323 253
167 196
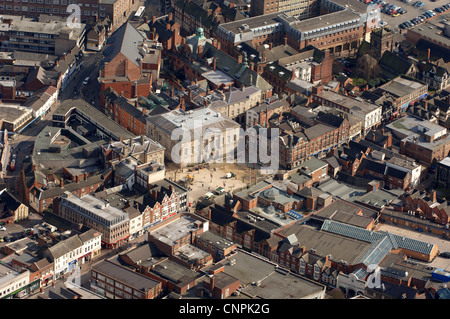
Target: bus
139 13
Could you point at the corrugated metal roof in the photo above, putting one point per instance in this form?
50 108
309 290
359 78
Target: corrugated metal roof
395 241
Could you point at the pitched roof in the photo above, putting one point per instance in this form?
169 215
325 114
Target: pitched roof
65 246
124 40
395 63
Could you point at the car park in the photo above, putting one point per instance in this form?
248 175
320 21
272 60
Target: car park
445 254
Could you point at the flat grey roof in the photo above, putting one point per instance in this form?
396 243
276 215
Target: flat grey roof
353 5
284 285
174 230
98 207
348 102
174 272
400 87
20 23
253 22
11 112
126 276
339 247
247 268
324 21
215 240
430 31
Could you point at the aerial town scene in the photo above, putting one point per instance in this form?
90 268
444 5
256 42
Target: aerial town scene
236 150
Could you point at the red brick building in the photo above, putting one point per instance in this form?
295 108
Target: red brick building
166 31
219 284
428 206
305 143
125 113
131 63
113 281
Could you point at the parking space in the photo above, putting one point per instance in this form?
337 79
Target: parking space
411 10
15 231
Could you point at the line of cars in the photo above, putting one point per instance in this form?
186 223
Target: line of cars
443 8
423 17
417 20
11 238
387 8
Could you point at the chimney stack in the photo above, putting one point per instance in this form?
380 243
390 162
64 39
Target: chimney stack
433 196
212 283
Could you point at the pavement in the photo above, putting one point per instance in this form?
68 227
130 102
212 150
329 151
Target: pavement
208 179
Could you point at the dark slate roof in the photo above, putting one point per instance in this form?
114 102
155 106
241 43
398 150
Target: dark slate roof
8 202
198 13
376 137
220 216
130 108
330 119
373 166
396 173
160 27
123 40
278 71
395 63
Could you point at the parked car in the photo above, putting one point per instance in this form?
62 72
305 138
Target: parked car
3 228
445 254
